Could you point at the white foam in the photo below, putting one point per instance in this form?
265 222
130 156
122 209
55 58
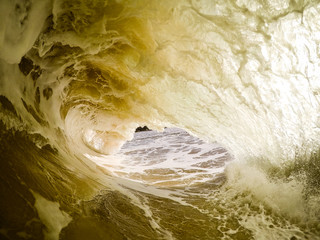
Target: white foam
51 216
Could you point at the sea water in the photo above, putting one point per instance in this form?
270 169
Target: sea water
229 88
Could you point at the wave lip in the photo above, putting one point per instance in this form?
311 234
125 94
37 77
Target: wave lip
226 77
77 78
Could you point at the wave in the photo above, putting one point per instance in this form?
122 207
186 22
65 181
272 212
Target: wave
78 77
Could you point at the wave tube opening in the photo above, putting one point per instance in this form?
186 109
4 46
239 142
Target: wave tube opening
236 83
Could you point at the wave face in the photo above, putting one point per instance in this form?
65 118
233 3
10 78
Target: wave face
78 77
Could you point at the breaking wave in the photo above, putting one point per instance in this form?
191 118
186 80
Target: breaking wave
78 77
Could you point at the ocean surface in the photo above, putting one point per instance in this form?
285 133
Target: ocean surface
231 93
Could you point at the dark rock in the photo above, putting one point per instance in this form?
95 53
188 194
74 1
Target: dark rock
141 129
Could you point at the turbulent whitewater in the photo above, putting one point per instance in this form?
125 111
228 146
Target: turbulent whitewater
230 89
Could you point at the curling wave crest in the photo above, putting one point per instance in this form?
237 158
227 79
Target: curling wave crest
78 77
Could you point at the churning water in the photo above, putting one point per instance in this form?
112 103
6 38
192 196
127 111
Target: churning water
230 88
